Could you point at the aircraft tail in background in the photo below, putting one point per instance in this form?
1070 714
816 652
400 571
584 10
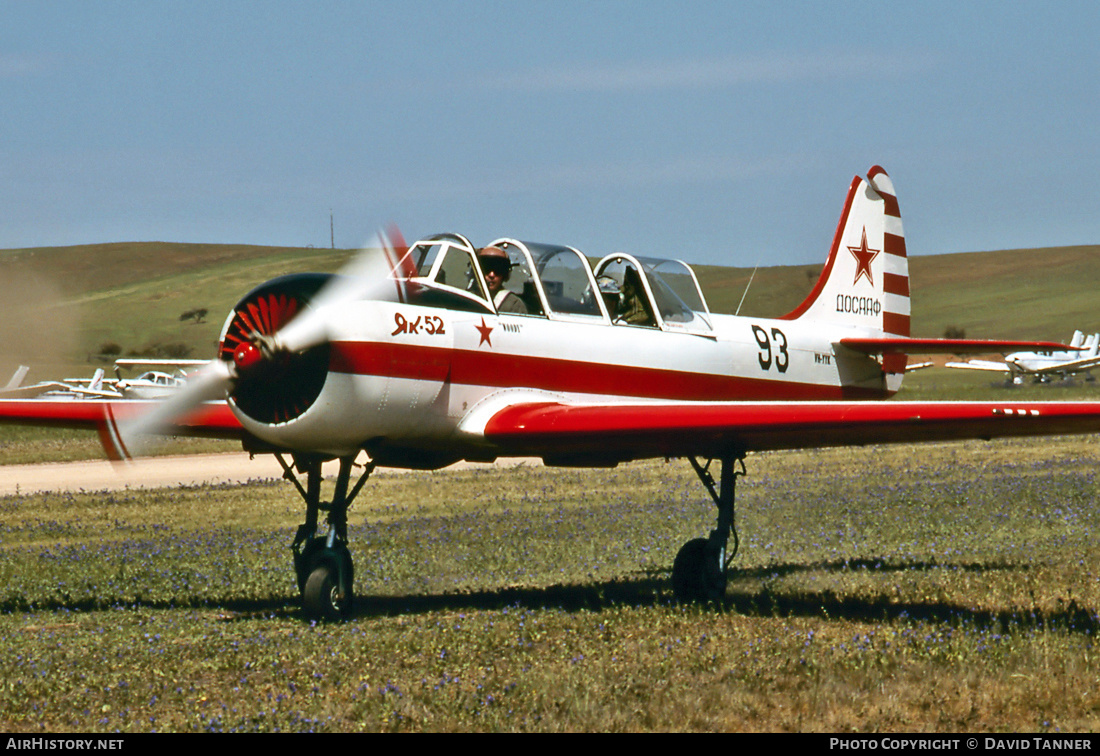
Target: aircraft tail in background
17 378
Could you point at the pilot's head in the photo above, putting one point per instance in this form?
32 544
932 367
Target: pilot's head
496 267
632 282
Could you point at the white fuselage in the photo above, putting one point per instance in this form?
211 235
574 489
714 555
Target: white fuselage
404 375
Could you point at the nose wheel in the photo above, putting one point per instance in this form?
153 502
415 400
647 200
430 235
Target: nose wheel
326 595
322 561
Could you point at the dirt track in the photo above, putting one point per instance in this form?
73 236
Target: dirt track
152 472
155 472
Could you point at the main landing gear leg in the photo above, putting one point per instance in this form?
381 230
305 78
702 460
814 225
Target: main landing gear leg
322 561
699 572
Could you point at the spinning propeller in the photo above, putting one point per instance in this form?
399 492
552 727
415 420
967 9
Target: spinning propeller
274 356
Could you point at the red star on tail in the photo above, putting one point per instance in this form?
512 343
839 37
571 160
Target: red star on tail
864 257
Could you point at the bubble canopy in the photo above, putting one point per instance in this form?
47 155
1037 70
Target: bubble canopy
558 283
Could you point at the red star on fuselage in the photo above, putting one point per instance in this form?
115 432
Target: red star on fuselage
864 257
484 330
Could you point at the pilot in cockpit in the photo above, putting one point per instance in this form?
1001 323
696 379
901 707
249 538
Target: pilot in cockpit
497 268
633 308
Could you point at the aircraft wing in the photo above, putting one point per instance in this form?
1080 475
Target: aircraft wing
1072 366
582 433
144 362
26 392
209 420
86 392
999 367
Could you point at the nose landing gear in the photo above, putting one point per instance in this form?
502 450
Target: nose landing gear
322 561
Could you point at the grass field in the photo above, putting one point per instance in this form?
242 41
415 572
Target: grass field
948 587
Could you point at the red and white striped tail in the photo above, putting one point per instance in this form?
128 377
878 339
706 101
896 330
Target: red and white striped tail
865 284
895 277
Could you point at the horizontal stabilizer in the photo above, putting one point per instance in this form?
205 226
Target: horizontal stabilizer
900 345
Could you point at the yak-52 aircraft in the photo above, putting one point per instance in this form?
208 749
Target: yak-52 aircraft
422 364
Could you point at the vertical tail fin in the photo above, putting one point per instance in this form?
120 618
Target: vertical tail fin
17 378
865 282
1092 345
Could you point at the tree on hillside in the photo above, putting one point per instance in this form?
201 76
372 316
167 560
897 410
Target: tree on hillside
196 315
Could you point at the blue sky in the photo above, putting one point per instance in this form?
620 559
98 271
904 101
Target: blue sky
717 132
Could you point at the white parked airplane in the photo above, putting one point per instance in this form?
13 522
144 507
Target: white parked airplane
69 388
153 384
1043 365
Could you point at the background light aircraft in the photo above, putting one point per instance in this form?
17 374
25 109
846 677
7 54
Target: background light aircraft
1082 357
69 388
153 384
405 357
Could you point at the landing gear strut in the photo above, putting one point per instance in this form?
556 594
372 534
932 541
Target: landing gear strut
322 561
699 571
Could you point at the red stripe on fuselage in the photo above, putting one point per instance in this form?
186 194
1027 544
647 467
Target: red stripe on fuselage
504 370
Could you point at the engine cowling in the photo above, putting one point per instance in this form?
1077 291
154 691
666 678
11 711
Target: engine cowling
274 391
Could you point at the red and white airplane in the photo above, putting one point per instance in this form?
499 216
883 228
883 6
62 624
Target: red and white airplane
410 359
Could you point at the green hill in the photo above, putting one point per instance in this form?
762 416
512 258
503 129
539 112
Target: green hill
1023 293
63 304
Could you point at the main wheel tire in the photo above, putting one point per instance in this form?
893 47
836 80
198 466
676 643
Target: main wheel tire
305 561
694 579
322 597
